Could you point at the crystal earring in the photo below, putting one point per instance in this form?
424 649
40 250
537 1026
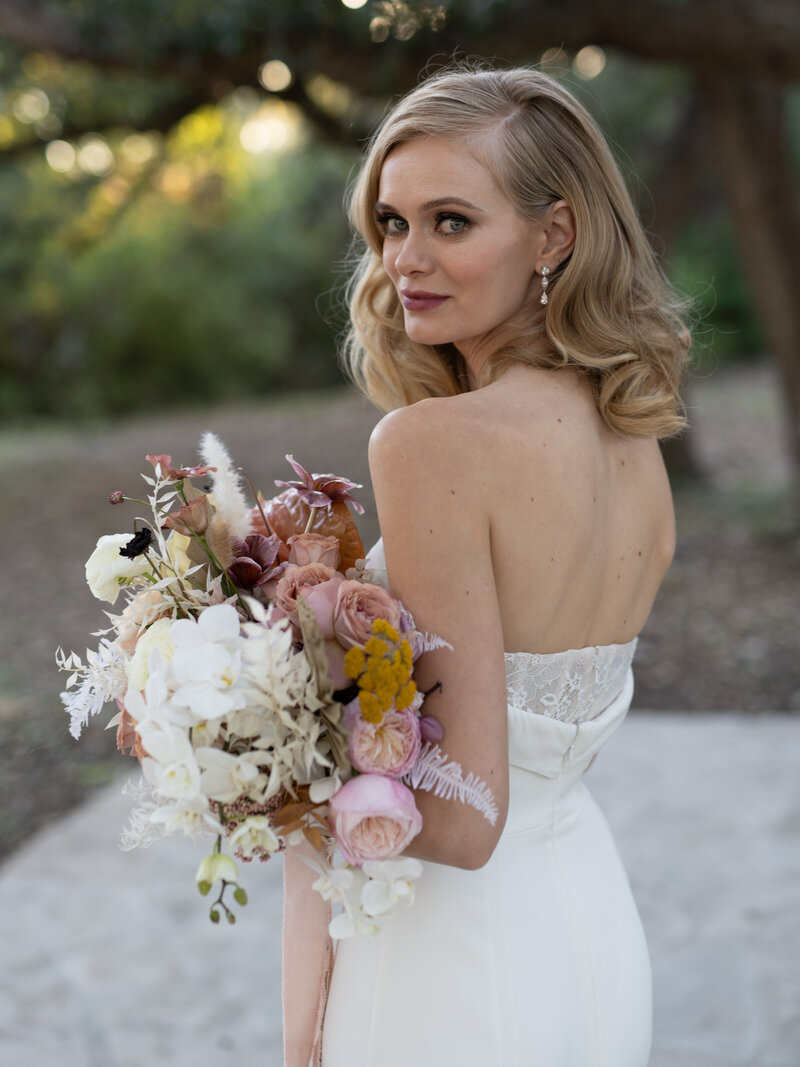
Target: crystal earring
545 271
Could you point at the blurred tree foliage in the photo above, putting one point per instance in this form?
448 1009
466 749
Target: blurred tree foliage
204 276
172 178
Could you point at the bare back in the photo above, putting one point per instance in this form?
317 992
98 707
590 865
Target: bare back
582 524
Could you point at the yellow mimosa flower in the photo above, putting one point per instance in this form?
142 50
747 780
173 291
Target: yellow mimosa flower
406 695
376 647
354 662
369 707
385 629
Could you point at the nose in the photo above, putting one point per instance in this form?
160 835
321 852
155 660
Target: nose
413 256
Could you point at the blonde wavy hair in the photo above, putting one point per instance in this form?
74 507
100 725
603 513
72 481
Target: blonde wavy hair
610 312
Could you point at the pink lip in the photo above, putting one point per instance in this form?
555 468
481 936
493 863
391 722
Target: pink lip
419 300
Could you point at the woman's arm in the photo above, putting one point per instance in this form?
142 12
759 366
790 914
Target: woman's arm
436 535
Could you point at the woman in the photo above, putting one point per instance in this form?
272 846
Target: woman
509 314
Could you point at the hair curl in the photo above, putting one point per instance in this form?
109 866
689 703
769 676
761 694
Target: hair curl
610 312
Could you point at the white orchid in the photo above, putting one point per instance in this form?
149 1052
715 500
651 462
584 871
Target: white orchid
351 924
343 885
254 835
336 883
216 867
226 777
391 882
191 817
170 765
207 662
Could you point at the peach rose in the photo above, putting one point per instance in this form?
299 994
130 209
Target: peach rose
373 817
389 747
296 579
358 605
313 548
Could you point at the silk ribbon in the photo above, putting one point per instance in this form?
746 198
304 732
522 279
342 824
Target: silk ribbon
307 959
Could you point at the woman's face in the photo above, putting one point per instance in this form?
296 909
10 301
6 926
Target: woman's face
460 255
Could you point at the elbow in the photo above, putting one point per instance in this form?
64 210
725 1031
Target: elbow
481 849
477 858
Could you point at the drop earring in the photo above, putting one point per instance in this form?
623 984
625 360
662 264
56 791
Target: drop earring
545 271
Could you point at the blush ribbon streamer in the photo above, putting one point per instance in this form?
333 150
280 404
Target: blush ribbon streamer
307 959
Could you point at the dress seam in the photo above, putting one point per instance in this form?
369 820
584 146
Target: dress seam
488 893
578 915
381 936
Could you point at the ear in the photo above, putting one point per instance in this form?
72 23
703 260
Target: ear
559 228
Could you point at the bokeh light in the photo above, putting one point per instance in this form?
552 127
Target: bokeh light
176 181
139 148
31 105
94 156
60 156
353 4
589 62
555 61
275 75
335 98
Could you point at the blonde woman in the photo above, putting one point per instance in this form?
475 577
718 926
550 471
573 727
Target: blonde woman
508 314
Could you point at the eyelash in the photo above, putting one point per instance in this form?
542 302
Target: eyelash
384 220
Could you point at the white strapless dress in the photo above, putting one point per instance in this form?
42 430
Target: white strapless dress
537 959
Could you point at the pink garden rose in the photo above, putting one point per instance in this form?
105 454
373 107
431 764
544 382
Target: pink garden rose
389 747
321 598
313 548
373 818
358 605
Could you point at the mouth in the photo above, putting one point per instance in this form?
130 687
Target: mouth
419 300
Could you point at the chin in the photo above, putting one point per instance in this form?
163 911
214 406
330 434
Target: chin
426 333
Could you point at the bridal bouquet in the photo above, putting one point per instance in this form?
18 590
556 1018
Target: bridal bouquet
264 680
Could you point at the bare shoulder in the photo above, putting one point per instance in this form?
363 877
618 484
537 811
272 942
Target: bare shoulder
413 431
455 437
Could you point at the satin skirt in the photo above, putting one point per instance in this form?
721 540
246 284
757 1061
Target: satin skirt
537 959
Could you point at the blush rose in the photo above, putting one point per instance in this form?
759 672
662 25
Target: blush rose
373 817
313 548
358 605
389 747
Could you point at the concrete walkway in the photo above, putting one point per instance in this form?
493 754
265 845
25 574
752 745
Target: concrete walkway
109 959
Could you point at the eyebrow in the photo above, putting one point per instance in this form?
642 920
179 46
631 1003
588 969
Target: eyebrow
441 201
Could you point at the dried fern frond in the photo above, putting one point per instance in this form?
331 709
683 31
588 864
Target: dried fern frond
433 771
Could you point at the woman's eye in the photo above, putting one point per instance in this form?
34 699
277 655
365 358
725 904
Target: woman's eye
451 224
391 224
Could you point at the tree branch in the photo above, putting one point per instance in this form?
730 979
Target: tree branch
753 37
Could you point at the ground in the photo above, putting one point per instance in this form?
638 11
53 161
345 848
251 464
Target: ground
723 634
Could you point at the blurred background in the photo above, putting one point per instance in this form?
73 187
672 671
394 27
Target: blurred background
173 249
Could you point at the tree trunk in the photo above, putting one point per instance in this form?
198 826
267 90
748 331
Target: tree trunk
673 197
760 188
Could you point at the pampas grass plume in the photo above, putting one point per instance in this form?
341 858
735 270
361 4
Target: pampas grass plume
229 500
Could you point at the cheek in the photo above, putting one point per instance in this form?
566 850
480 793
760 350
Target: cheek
388 257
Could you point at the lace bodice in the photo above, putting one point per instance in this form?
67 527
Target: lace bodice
572 686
